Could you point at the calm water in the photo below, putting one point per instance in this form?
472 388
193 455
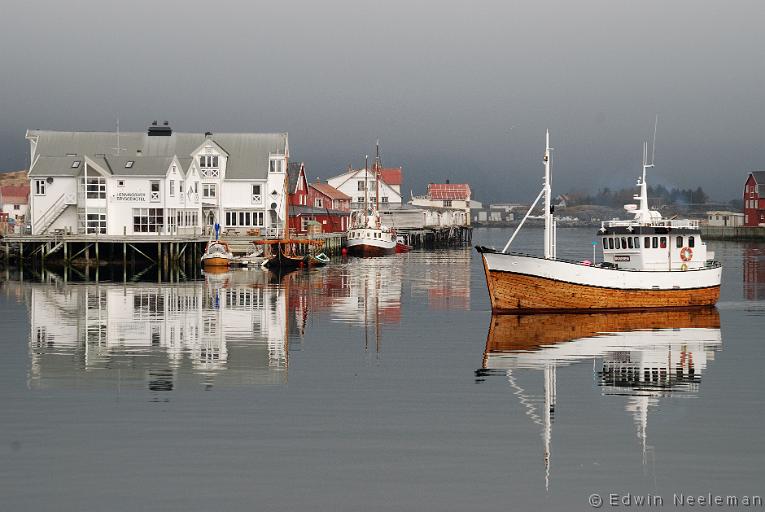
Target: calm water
378 384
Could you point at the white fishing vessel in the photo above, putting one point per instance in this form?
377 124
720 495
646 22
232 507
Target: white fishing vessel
648 262
367 235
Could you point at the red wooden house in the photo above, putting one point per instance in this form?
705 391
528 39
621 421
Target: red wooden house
754 199
315 206
324 195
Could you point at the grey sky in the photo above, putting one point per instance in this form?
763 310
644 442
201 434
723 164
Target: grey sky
461 91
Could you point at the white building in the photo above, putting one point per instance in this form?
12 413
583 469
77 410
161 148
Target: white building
354 183
156 182
725 219
453 201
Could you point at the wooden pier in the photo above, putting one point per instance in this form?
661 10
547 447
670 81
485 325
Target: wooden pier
437 237
164 252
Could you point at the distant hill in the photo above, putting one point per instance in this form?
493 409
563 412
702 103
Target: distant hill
13 178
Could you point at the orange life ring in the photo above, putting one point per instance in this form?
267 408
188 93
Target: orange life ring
686 254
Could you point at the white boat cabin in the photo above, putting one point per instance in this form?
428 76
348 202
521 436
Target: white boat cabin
662 245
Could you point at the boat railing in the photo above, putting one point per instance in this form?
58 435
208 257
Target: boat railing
662 223
707 265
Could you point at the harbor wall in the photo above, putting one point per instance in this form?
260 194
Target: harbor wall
740 233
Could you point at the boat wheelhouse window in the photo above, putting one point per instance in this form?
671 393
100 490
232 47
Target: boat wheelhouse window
630 243
605 243
637 242
663 242
655 242
617 243
647 242
610 243
679 242
691 241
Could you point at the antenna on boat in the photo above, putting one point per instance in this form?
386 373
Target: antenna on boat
653 146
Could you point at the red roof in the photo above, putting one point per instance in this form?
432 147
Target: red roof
330 191
16 194
459 191
391 175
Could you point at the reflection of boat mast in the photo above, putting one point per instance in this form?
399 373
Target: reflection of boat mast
548 414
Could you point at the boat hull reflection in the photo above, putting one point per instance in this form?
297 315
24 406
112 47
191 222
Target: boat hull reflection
509 333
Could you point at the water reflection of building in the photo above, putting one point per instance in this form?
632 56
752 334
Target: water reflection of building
754 272
372 292
446 280
235 322
643 356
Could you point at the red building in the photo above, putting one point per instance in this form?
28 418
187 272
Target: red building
324 195
754 199
297 185
320 205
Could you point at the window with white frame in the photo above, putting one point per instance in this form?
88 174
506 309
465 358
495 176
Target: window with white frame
148 220
154 197
172 188
39 187
244 218
172 220
276 165
95 187
319 202
187 218
92 223
120 183
447 202
384 199
361 186
209 166
257 195
209 190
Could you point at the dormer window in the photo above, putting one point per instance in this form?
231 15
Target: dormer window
129 164
276 165
76 164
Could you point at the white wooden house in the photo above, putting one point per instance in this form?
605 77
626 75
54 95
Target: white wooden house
102 183
361 185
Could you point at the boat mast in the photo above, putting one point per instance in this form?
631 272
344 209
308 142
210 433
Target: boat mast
643 214
377 178
549 221
366 184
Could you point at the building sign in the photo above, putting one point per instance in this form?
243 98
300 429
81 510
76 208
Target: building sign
130 196
621 258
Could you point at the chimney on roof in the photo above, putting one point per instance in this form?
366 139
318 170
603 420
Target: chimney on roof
160 131
208 135
447 181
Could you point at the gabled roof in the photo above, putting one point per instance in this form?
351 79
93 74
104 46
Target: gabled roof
56 166
391 176
458 191
248 152
330 191
294 170
141 166
759 177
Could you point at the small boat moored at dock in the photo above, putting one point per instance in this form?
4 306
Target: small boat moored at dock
648 262
217 254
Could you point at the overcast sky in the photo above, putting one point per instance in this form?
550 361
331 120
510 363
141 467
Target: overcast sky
460 91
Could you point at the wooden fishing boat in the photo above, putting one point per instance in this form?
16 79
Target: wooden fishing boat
401 245
648 262
292 253
217 254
